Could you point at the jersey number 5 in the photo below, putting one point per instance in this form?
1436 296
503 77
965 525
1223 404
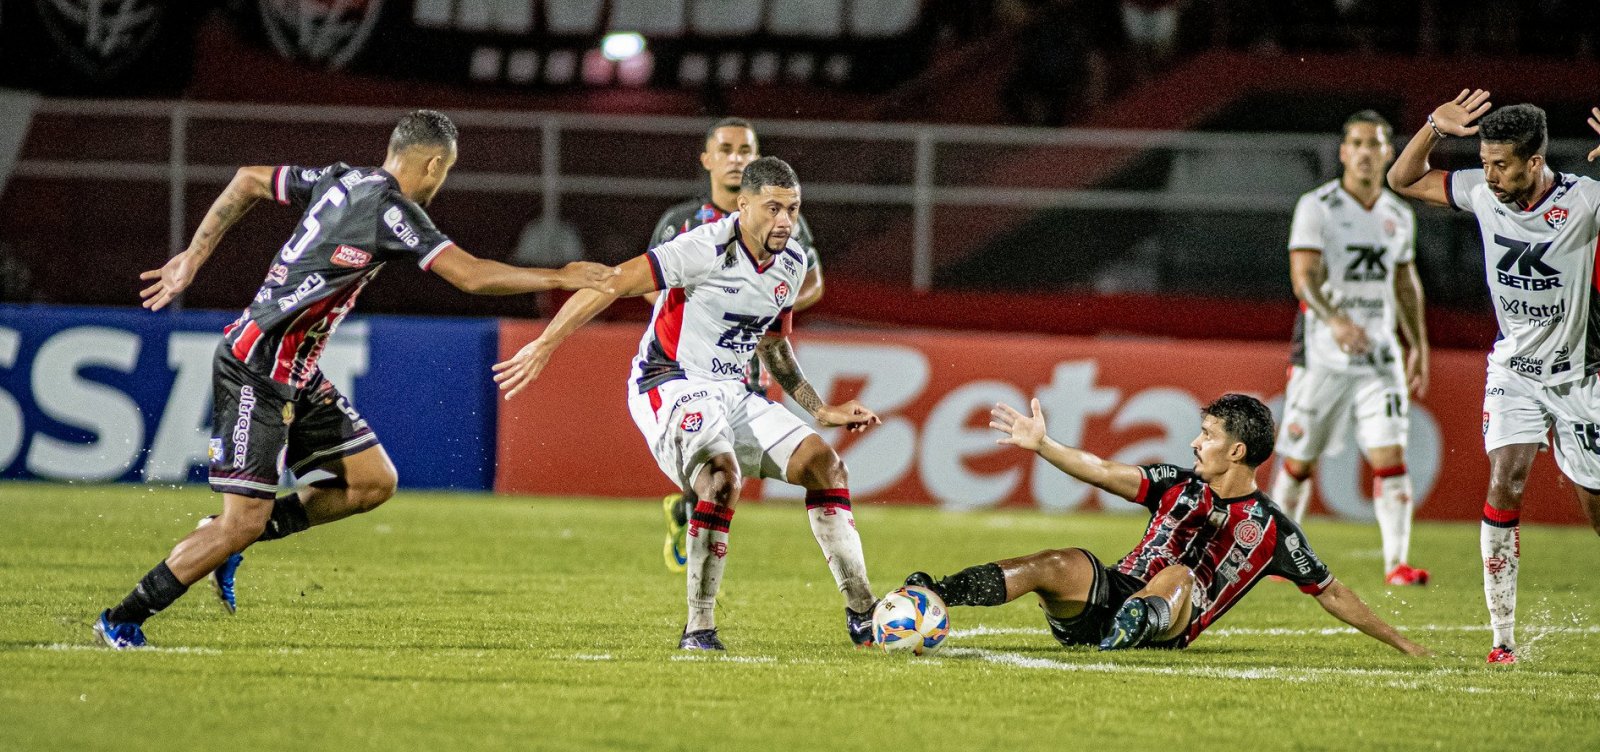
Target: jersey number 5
296 247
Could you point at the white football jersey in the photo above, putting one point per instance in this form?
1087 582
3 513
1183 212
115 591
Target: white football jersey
716 304
1540 268
1360 249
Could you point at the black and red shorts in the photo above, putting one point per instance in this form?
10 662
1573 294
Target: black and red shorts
260 428
1110 590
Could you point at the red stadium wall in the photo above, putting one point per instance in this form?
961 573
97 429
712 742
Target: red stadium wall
1136 401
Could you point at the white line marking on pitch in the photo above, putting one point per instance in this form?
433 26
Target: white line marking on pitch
1269 673
983 631
62 646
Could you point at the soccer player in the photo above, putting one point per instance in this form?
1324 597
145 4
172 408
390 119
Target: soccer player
729 289
1539 230
1212 536
273 409
1351 258
729 145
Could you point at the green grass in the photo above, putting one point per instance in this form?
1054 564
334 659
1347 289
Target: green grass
470 622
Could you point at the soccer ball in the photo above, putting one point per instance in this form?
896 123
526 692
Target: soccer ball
912 618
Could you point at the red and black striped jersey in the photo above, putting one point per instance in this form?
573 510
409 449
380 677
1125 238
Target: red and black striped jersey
355 220
1231 544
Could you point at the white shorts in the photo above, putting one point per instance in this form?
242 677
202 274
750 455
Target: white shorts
1319 406
686 423
1520 410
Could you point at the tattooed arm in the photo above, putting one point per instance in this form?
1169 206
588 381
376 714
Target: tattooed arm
778 356
249 185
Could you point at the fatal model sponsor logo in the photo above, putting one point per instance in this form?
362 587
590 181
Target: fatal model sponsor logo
1539 315
732 369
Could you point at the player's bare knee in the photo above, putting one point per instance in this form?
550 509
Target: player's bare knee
244 526
827 470
718 481
368 492
1505 490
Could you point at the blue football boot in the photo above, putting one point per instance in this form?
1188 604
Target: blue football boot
860 625
221 579
126 636
1131 627
700 639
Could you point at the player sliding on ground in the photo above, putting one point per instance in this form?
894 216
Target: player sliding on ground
730 288
274 410
1212 536
1539 234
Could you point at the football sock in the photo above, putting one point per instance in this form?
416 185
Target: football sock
982 585
708 551
834 526
157 590
1158 616
288 517
1391 502
1291 493
1500 540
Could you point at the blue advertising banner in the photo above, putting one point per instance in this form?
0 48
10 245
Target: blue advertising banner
106 394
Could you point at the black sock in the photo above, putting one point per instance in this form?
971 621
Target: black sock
982 585
1158 614
156 591
288 517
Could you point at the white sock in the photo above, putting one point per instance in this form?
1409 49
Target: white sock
1291 493
1500 540
834 526
1391 501
708 552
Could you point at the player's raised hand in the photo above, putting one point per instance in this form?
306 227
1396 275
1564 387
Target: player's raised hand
853 415
1594 122
172 278
1455 118
520 370
587 275
1025 431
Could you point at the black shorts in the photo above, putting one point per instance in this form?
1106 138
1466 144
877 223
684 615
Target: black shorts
1110 590
259 428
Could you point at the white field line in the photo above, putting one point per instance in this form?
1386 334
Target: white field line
62 647
983 631
1293 675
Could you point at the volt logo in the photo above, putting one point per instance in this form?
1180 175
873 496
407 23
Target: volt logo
1532 273
1367 265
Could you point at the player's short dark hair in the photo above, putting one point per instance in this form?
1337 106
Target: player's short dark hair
422 128
1245 418
727 122
767 171
1521 125
1372 117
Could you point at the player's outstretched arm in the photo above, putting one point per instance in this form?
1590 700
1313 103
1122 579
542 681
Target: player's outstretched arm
1338 599
249 185
1028 432
778 356
480 276
1410 175
517 372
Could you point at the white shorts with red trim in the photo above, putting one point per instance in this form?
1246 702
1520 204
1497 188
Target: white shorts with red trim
1320 405
686 422
1520 410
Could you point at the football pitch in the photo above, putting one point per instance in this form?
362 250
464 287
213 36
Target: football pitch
472 622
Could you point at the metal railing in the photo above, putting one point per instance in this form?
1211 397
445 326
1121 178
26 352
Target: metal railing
922 192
